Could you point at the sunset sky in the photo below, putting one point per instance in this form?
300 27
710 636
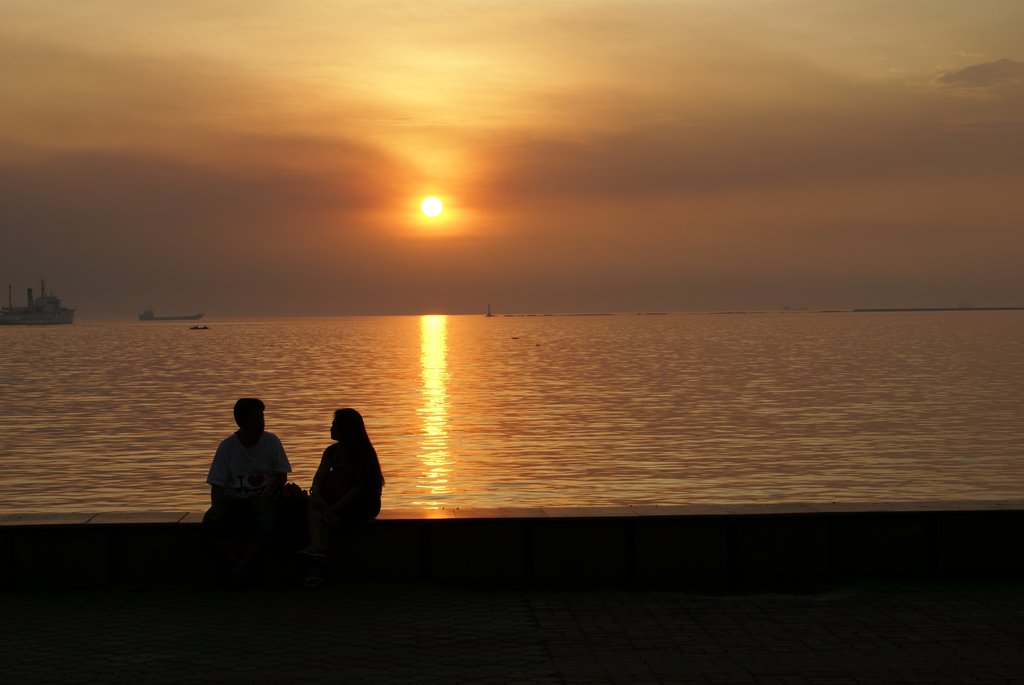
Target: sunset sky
269 158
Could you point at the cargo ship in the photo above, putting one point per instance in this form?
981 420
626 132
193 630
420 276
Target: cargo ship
44 310
150 315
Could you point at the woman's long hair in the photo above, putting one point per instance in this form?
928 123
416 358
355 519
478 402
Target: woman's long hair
352 433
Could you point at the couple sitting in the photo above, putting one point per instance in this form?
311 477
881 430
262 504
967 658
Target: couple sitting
251 501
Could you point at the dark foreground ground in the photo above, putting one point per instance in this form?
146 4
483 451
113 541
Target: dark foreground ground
424 632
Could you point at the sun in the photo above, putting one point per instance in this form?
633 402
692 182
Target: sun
431 206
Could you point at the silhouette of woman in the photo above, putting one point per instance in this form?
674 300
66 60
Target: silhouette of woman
347 485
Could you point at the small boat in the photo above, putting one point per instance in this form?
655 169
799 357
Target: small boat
489 314
199 328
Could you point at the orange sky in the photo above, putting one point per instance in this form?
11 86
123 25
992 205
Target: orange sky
262 158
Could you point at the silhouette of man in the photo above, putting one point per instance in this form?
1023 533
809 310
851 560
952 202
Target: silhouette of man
248 472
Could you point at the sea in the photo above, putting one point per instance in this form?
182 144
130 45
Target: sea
528 411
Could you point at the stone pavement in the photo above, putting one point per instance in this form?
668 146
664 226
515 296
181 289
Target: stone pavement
430 632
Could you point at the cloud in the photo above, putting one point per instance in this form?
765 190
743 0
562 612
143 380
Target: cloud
1002 72
265 210
242 179
888 138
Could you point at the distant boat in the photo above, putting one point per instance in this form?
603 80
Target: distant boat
489 311
150 315
44 310
199 328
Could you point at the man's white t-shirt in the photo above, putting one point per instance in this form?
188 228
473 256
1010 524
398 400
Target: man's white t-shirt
248 471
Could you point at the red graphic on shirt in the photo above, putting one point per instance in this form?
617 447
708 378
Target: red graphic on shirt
255 480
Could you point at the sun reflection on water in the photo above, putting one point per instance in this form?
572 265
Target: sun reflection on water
434 410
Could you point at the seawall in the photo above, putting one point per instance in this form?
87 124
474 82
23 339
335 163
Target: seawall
674 546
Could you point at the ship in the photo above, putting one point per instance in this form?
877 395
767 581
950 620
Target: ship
150 315
44 310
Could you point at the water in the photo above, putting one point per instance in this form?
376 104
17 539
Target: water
529 411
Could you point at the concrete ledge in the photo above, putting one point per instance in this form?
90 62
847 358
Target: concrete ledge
662 546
